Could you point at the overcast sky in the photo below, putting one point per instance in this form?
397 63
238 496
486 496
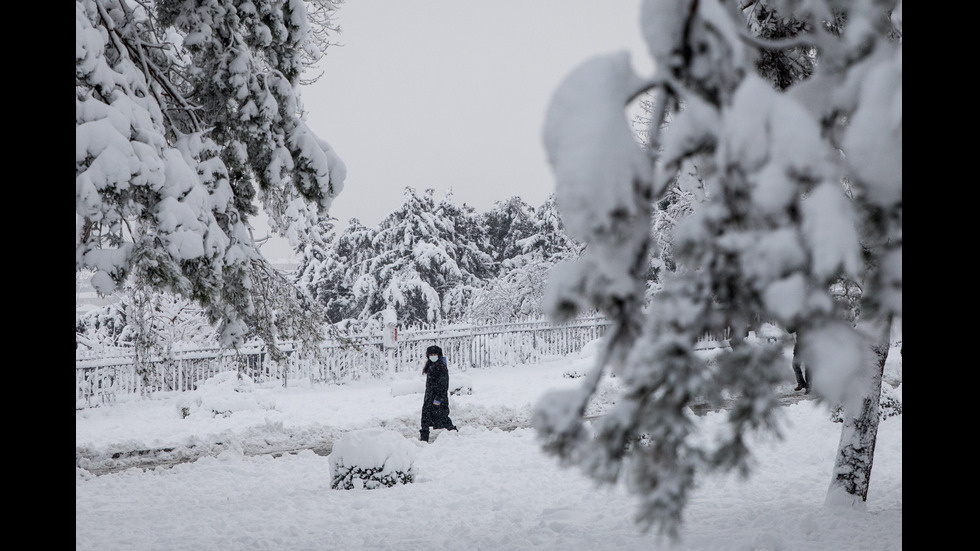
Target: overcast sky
451 94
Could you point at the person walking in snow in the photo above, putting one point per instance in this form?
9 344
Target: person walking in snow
435 405
802 382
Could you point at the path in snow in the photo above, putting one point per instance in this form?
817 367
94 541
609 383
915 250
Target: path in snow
166 457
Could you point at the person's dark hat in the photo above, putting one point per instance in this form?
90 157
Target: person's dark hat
433 350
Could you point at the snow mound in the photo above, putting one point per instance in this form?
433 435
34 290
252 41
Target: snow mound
372 458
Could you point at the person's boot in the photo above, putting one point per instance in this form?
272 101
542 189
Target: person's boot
424 435
799 386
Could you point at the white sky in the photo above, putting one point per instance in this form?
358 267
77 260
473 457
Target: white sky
482 488
452 94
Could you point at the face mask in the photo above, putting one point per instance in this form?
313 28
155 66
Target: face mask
433 358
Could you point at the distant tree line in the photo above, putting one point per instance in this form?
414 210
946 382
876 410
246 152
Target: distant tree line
431 261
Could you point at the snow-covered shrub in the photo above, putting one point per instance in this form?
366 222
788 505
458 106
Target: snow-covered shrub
371 458
224 394
891 401
591 348
889 404
586 361
459 385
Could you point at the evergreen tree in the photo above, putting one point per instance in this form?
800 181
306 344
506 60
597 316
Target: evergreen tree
423 259
513 296
549 241
435 261
507 224
529 243
187 115
783 67
320 271
467 233
805 189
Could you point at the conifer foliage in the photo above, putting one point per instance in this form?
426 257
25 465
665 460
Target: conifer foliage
187 116
434 261
803 190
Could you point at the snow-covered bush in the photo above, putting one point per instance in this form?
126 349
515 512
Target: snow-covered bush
224 394
371 458
889 404
459 385
581 367
891 401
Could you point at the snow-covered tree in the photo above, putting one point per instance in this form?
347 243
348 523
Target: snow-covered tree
527 243
408 243
318 271
421 260
549 241
169 320
282 311
436 261
101 327
507 224
786 66
805 191
514 295
187 116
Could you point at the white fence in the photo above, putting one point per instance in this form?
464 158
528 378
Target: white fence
99 378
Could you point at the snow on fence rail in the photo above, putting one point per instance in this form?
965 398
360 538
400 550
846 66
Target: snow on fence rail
100 377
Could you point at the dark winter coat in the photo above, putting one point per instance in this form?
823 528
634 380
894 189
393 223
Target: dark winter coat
435 406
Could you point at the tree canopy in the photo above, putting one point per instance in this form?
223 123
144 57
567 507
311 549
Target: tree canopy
188 116
802 172
428 261
433 261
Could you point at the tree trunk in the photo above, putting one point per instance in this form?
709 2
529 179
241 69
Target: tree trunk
141 317
855 453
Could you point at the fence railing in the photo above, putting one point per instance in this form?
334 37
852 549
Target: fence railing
101 377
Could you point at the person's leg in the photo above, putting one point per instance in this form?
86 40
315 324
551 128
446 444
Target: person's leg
798 371
801 382
426 423
443 421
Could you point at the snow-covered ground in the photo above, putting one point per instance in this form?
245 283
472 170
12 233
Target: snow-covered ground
262 475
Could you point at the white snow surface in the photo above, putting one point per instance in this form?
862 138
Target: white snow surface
486 487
